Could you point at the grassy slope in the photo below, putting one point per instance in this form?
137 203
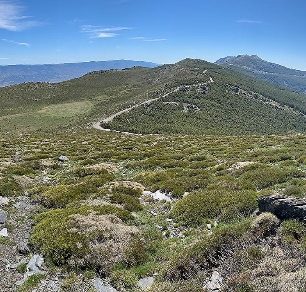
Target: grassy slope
205 167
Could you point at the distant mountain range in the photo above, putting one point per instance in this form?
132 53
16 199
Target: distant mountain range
16 74
276 74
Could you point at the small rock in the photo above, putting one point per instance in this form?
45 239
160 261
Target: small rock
209 226
34 266
23 248
63 158
215 282
3 232
4 201
17 157
102 286
3 217
146 283
159 196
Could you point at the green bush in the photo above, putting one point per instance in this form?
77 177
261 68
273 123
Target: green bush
206 252
293 231
133 192
129 203
266 176
55 236
9 187
61 195
226 205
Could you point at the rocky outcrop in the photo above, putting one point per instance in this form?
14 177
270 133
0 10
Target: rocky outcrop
283 207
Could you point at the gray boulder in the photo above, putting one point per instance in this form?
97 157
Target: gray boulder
35 266
283 207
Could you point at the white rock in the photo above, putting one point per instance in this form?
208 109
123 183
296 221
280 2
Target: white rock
159 196
146 283
208 226
101 286
215 282
34 266
63 158
3 232
4 201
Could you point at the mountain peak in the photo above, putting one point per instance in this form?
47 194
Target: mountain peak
271 72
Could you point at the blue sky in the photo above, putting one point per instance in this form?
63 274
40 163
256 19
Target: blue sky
162 31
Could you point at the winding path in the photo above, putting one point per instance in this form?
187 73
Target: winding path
97 125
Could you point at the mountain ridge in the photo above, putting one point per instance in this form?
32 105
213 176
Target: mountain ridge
276 74
16 74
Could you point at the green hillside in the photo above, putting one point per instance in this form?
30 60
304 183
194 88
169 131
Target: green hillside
218 102
194 97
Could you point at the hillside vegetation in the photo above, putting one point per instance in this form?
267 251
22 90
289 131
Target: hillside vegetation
204 99
176 211
89 216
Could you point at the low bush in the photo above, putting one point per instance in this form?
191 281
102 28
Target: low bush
129 202
59 236
9 187
61 195
197 208
266 176
206 252
293 231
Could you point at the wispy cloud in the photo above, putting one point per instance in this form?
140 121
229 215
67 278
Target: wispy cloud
12 17
144 39
249 21
16 43
98 32
3 58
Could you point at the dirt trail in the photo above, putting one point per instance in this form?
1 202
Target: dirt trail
97 125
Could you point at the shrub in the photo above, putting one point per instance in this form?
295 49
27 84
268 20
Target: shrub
205 253
133 192
71 244
129 203
265 225
61 195
266 176
9 187
293 231
196 208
